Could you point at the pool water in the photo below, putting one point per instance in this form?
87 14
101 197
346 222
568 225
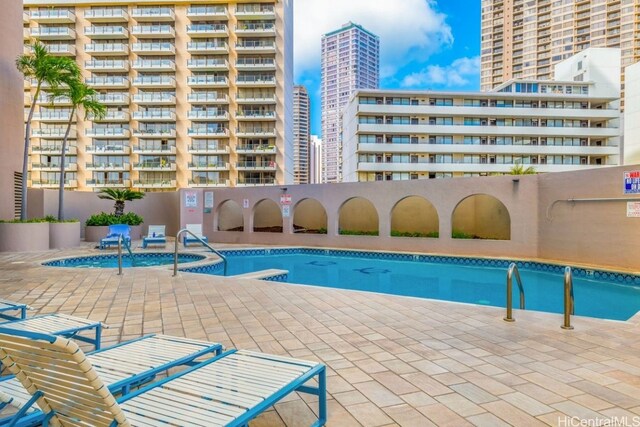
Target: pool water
474 284
111 261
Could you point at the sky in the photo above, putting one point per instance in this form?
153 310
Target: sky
424 44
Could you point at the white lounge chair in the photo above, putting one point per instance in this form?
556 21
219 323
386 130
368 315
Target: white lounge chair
195 229
155 236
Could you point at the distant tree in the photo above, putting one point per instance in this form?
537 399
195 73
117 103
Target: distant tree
519 169
82 97
44 68
120 196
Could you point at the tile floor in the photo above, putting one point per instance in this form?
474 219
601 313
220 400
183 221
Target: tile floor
392 360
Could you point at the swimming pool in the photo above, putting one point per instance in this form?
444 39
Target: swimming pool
147 259
471 280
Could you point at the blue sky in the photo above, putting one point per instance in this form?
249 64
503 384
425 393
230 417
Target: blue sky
424 44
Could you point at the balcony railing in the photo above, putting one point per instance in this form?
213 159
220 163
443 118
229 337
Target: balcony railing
219 131
206 29
105 15
107 132
52 149
256 148
154 149
61 49
54 116
112 81
53 16
206 182
107 149
106 32
206 11
206 47
255 10
208 166
248 131
155 183
106 65
109 166
161 166
157 81
70 167
152 133
207 97
107 48
153 30
113 98
117 183
256 99
255 80
154 98
255 63
154 48
207 114
112 116
53 133
154 115
247 45
207 64
52 33
256 181
154 65
251 28
153 14
53 183
211 149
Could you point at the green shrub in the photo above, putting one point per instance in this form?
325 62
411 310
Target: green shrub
396 233
322 230
48 218
104 219
457 234
358 233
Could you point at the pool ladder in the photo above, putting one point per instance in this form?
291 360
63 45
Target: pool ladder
175 253
569 303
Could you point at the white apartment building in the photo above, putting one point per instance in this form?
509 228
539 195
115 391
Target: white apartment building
315 160
350 61
566 124
301 133
199 93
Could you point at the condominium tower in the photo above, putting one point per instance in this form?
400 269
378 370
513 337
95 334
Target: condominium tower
564 124
350 61
315 160
197 93
523 39
301 128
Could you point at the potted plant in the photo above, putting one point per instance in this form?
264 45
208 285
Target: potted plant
97 225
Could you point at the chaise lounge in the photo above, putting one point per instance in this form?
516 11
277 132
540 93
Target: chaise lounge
155 236
195 229
115 231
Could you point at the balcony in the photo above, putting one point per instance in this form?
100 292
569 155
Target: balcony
26 33
155 166
53 16
255 11
26 17
154 14
205 182
208 132
154 65
154 98
207 30
102 65
256 99
203 166
61 49
110 183
203 13
111 82
150 183
256 149
52 149
106 15
53 167
110 32
51 100
154 116
260 81
113 98
154 48
154 82
153 31
252 46
257 64
53 133
110 167
53 33
255 115
256 166
107 49
256 29
207 81
255 182
207 115
112 116
208 98
158 149
208 64
107 133
53 183
154 133
207 47
257 132
108 150
52 116
208 149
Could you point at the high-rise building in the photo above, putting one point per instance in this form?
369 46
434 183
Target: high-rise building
301 129
315 160
198 93
523 39
350 61
566 124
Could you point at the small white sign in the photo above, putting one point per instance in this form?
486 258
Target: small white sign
286 211
245 203
191 199
633 209
285 199
208 199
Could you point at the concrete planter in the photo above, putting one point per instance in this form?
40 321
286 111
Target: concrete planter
64 235
93 233
17 237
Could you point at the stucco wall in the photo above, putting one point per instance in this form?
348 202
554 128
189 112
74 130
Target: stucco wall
229 216
11 103
414 214
267 214
310 214
358 214
482 216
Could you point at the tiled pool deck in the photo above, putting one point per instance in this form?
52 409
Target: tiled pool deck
392 360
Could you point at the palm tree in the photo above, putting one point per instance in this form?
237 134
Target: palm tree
85 98
44 69
519 169
120 196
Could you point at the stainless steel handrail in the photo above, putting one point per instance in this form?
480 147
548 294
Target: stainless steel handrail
513 269
569 304
175 254
120 255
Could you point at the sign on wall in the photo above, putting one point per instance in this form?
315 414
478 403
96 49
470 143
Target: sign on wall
208 199
190 199
632 182
285 199
633 209
286 211
245 203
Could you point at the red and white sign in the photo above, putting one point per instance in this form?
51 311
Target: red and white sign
633 209
285 199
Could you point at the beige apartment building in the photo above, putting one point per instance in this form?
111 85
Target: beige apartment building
196 93
526 38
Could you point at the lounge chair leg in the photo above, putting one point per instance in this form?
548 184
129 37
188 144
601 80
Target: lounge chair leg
25 408
98 340
322 398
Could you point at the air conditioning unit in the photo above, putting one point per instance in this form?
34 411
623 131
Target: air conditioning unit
483 141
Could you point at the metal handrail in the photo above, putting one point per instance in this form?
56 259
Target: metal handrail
119 254
569 304
175 254
513 269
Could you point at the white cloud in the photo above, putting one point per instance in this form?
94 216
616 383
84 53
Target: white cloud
458 73
408 29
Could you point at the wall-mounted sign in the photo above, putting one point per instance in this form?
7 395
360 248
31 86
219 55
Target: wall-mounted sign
632 182
285 199
245 203
208 199
286 211
190 199
633 209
